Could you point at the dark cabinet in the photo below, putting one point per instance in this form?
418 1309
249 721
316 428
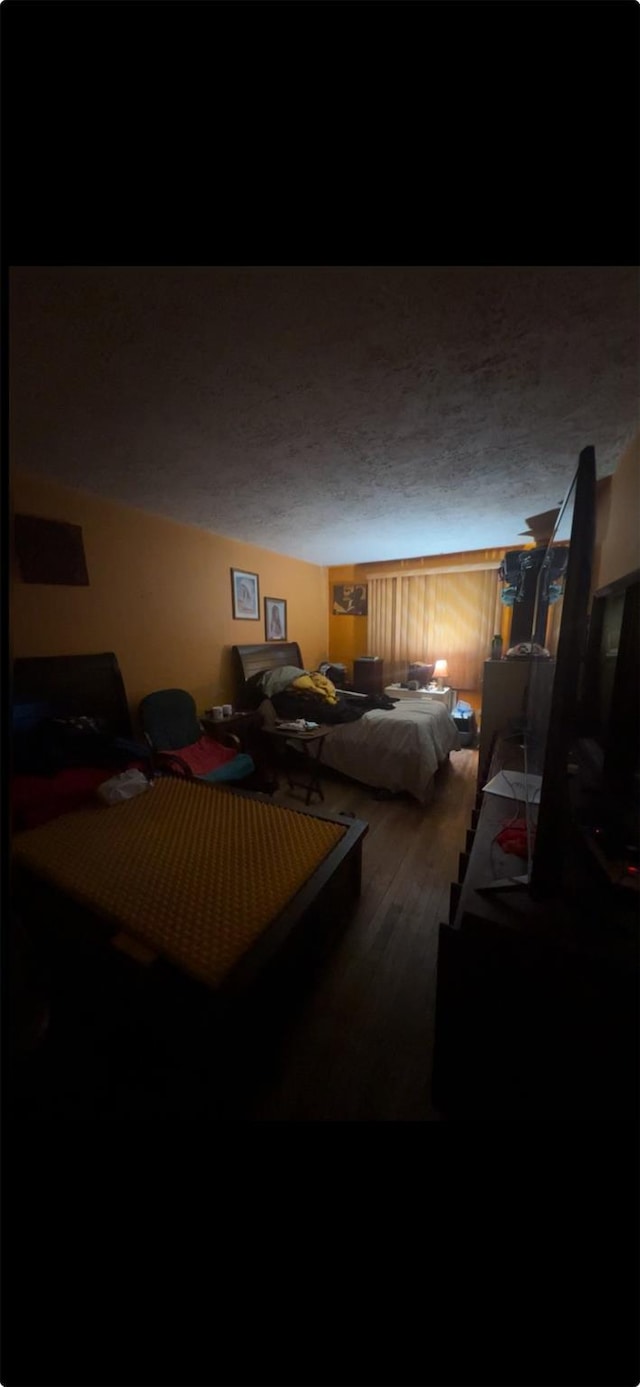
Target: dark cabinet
536 1001
504 700
368 675
244 726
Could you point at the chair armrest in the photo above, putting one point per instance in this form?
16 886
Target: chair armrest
170 761
229 739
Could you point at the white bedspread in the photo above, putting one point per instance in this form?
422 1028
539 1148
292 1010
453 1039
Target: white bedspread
393 749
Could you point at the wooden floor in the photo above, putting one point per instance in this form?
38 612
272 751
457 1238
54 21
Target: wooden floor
361 1049
356 1045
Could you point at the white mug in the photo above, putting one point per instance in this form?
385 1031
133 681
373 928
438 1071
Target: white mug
227 709
217 714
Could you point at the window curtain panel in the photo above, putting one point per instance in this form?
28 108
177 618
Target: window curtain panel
443 616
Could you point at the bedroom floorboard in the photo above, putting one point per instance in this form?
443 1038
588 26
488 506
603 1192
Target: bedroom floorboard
361 1047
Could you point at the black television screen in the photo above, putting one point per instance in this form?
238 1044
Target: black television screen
546 623
554 686
609 745
558 626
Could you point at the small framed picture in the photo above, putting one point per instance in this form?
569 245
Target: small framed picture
275 618
245 593
350 599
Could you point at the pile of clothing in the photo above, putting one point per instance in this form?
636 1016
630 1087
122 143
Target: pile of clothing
302 693
527 648
58 764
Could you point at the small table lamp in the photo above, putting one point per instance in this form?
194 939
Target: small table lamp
441 672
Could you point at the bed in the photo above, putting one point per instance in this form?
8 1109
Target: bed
214 882
396 750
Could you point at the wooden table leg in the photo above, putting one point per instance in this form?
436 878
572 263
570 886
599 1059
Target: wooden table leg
314 786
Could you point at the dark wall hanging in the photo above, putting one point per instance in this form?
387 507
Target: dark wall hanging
50 551
350 600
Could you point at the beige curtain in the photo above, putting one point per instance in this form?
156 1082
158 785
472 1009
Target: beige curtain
449 616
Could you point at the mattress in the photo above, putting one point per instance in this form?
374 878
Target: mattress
397 749
195 872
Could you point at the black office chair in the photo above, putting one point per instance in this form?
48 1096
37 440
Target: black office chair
174 732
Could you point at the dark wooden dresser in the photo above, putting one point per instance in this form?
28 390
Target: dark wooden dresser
536 1001
368 675
244 726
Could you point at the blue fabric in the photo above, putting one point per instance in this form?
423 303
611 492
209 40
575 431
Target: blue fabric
138 750
26 716
241 766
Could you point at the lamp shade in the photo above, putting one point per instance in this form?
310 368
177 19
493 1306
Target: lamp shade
441 670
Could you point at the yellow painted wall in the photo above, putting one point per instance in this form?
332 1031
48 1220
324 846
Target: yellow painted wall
159 596
347 634
617 549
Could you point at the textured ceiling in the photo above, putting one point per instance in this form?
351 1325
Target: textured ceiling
333 414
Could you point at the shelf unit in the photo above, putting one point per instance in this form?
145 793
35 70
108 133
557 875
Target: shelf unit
536 1002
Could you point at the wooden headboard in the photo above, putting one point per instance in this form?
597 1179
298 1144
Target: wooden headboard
68 686
250 659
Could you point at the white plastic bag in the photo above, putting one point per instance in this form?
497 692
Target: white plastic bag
122 787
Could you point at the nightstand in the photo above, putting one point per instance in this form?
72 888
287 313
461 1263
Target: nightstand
446 696
243 725
309 761
368 674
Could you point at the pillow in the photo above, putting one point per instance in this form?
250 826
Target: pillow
275 680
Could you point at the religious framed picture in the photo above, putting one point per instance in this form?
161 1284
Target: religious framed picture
245 591
350 599
275 619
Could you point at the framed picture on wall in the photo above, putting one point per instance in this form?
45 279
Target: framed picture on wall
50 551
275 619
245 592
350 599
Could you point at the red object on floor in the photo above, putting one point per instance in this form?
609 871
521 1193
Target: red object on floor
513 838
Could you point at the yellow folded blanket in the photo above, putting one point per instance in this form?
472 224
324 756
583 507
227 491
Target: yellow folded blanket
189 869
318 684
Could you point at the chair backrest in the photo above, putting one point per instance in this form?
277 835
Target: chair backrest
169 719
